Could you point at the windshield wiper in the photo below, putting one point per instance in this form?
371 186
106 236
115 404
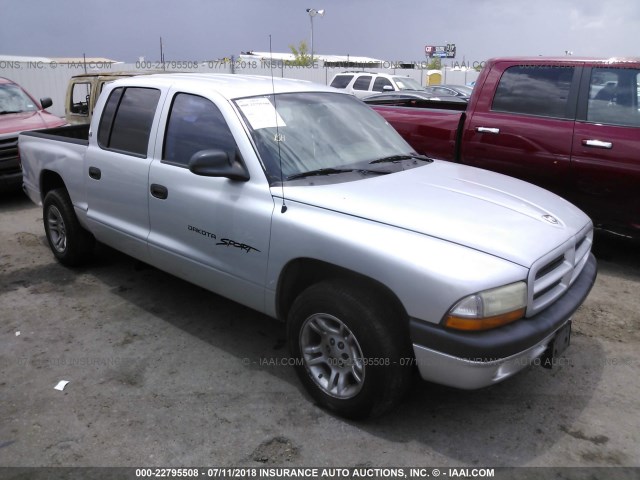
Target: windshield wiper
330 171
4 112
398 158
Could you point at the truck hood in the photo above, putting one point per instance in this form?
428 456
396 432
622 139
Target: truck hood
483 210
23 121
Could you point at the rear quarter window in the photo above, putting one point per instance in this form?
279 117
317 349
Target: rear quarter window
341 81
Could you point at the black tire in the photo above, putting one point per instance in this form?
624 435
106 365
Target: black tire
367 327
70 243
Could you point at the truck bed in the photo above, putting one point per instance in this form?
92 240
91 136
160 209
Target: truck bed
54 153
78 134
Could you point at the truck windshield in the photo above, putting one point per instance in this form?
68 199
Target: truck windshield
319 132
14 100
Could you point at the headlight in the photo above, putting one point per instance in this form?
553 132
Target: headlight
489 309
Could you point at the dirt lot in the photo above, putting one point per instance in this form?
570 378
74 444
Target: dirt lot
164 373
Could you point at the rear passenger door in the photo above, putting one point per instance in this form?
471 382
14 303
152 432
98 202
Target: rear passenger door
606 158
525 127
212 231
117 165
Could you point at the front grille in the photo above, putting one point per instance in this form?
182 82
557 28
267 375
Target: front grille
554 273
9 162
549 267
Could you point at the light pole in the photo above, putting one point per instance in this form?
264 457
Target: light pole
312 13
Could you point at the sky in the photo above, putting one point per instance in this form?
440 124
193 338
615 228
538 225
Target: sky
392 30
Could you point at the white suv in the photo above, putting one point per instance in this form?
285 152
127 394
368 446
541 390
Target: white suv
363 84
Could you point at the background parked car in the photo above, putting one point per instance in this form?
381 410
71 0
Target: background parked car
535 119
461 91
412 97
408 98
363 84
19 112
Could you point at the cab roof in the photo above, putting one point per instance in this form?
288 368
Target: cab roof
228 85
590 61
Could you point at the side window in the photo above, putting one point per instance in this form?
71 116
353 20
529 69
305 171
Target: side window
362 83
127 119
80 96
380 83
195 124
341 81
614 96
106 121
534 90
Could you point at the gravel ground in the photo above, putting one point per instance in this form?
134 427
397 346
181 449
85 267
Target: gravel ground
164 373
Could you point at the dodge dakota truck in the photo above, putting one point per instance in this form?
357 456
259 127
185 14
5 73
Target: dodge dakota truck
299 201
567 124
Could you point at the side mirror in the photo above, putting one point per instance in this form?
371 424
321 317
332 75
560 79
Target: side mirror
46 102
387 88
216 163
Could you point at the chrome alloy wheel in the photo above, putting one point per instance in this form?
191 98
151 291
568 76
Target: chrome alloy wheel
57 229
332 356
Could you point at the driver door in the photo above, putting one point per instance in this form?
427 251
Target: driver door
212 231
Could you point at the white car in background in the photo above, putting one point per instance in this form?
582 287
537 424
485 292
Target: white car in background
363 84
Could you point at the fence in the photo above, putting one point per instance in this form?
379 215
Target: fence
44 79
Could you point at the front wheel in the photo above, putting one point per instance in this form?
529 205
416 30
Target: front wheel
351 349
70 243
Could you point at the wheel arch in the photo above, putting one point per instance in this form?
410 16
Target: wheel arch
50 180
301 273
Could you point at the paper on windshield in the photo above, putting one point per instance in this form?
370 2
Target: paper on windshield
260 113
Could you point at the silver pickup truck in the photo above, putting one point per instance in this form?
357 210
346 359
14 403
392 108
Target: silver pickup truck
301 202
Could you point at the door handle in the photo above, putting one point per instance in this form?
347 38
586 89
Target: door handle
95 173
159 191
495 131
597 144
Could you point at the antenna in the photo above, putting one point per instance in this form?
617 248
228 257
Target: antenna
161 54
277 138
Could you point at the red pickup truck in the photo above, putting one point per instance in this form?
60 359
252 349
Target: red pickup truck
19 112
567 124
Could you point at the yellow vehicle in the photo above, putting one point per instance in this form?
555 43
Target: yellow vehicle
83 92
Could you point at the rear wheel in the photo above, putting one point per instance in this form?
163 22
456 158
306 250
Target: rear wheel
351 349
70 243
